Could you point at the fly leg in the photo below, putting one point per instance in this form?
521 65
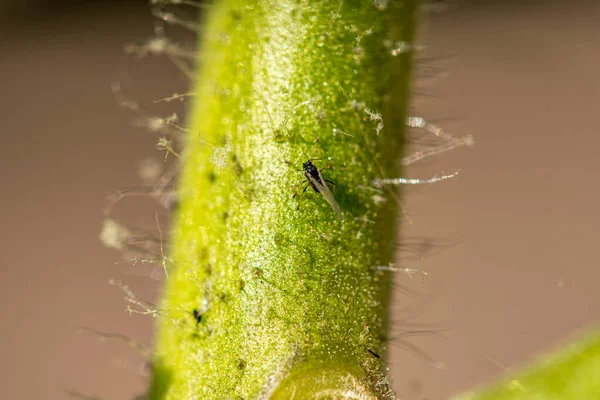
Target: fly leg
301 195
333 183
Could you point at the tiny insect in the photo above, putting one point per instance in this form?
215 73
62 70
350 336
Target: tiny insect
319 185
197 316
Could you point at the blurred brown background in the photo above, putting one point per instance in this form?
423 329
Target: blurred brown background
509 244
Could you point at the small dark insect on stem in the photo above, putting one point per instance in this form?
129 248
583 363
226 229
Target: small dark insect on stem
197 316
319 185
311 171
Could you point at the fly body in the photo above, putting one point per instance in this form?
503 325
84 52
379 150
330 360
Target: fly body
312 173
319 185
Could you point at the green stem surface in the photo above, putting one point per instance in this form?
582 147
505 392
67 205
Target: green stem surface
291 301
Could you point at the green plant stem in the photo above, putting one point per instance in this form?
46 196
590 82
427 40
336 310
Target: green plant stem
288 301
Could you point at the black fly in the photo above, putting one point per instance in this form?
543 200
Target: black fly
319 185
197 316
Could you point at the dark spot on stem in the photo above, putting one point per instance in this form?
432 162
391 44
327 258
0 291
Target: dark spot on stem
237 166
223 297
257 272
202 254
279 135
236 15
212 177
197 316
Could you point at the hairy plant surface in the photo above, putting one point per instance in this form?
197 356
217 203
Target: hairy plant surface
270 295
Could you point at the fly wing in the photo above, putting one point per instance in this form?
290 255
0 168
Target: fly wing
324 190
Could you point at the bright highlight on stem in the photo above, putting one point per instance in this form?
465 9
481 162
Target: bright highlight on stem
267 296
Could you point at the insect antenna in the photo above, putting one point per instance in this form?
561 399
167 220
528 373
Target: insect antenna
289 113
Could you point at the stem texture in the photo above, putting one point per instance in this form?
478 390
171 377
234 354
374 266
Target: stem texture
265 300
